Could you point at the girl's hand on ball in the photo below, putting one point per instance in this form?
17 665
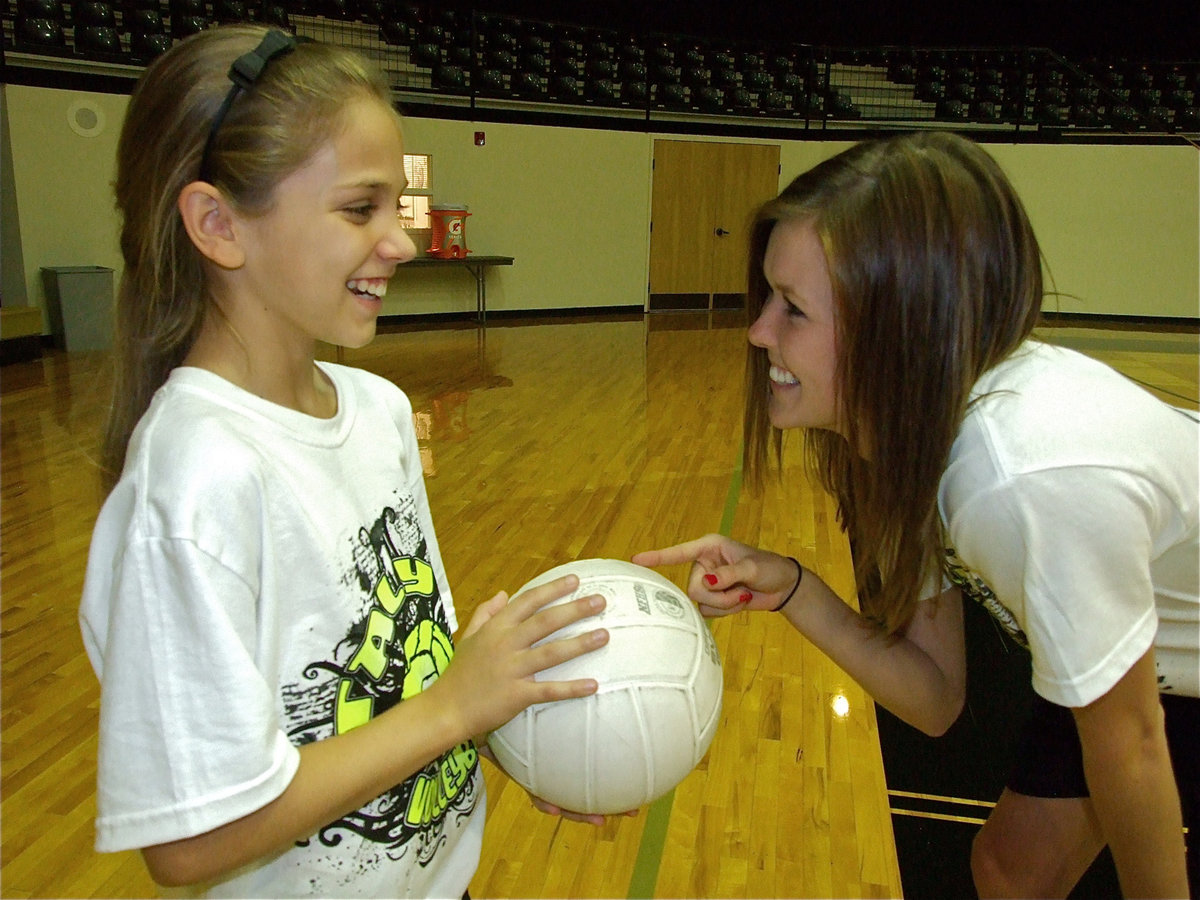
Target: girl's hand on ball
589 819
490 678
727 576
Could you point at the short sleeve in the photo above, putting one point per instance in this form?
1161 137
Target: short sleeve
191 737
1068 552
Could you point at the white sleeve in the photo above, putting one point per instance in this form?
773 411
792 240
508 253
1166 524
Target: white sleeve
190 734
1068 552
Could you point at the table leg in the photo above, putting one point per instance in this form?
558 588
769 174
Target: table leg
479 273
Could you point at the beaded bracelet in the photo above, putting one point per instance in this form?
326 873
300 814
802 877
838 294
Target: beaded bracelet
792 592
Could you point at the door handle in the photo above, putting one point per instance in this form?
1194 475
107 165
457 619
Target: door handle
720 232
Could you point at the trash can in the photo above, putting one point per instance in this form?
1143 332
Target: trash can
79 305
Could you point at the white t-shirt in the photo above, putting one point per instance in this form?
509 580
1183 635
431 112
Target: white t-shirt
260 579
1070 506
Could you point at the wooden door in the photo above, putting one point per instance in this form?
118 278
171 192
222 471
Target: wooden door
749 177
703 199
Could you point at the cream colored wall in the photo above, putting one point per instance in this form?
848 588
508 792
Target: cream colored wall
796 157
1120 225
571 205
63 181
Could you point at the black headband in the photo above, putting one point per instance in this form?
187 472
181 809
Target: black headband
244 72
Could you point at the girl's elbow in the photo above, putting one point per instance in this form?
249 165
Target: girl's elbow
173 867
945 715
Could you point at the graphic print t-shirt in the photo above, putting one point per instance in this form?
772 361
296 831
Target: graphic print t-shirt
260 579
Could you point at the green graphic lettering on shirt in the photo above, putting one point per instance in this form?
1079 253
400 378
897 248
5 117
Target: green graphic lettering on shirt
372 652
427 649
432 793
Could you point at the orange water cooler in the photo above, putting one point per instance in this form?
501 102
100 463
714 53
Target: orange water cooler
449 240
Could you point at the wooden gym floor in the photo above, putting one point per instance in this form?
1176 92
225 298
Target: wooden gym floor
542 443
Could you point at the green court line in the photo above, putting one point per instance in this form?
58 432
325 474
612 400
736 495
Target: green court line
658 817
731 498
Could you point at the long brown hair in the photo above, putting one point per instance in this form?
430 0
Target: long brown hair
936 277
295 106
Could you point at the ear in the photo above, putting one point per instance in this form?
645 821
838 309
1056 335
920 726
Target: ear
210 223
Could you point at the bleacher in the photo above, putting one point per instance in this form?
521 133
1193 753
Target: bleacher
449 60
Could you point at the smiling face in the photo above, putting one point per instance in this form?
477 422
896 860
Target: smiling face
317 263
796 328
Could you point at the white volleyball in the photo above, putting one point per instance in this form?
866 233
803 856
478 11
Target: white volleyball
655 713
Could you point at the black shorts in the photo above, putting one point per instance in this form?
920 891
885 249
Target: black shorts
1049 760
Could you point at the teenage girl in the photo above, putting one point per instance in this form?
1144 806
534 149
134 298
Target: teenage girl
283 712
892 293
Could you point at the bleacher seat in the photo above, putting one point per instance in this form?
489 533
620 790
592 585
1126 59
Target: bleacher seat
960 90
396 32
953 111
565 88
600 68
501 59
600 90
1048 113
97 41
986 111
694 77
233 11
93 12
41 9
567 49
1145 98
672 96
661 53
39 25
929 91
1187 120
426 55
431 33
632 70
709 98
182 26
811 105
739 100
749 60
1122 117
143 19
490 81
39 33
146 45
840 106
528 85
664 74
568 66
989 93
452 79
534 45
147 33
779 64
1180 98
777 103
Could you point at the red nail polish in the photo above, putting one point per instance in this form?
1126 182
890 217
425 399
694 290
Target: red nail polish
710 580
745 598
